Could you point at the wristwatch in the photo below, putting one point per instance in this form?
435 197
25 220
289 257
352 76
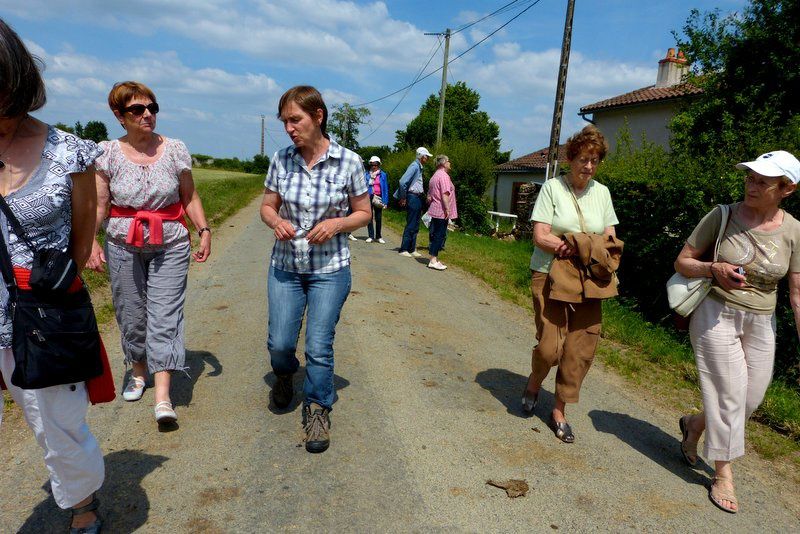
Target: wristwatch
203 229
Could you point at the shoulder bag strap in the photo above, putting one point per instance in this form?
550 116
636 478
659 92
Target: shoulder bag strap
725 211
577 207
15 224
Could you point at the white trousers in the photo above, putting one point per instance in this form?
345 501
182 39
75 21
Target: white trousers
735 353
57 416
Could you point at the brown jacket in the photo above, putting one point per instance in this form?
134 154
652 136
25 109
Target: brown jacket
591 274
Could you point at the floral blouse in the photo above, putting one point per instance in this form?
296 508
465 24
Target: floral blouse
144 187
43 206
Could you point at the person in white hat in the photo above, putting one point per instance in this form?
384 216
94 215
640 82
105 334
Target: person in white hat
411 194
377 183
733 329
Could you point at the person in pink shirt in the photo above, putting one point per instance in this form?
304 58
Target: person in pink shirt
442 208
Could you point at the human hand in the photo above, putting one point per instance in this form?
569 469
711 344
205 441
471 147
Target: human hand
204 251
402 202
284 230
564 250
727 276
323 231
97 258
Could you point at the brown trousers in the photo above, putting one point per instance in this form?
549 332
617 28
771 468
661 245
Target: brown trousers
567 335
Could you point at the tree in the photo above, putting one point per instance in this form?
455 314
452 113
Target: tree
747 67
343 124
64 127
367 152
78 129
462 122
95 131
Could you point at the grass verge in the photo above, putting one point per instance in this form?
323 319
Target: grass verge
642 352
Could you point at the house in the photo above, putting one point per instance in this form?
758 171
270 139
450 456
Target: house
513 174
647 111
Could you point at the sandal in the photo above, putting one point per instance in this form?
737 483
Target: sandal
164 413
688 448
134 389
95 527
716 495
562 431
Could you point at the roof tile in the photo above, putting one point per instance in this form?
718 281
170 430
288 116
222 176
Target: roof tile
535 161
647 94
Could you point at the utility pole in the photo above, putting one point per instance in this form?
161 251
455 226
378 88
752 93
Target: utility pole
262 134
558 109
440 124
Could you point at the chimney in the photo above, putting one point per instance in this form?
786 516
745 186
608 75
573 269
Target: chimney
670 69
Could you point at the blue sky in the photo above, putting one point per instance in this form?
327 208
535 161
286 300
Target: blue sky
216 66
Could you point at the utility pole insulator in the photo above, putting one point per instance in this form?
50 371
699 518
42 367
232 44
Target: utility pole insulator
440 125
558 109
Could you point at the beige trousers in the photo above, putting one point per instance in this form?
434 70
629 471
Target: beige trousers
735 352
567 336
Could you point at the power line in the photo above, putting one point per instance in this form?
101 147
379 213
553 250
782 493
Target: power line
425 66
493 13
512 19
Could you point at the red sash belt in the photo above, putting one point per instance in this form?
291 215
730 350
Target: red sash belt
100 388
154 219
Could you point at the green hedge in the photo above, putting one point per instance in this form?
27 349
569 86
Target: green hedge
659 198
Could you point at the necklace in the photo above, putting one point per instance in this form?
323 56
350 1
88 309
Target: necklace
11 142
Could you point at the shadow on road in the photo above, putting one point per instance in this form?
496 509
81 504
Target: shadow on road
124 504
507 387
182 388
297 381
651 441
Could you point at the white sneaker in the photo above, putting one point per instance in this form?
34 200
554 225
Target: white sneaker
165 413
369 240
134 389
381 241
416 254
436 265
351 237
406 254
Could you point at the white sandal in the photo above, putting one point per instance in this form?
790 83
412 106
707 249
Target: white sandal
134 389
165 413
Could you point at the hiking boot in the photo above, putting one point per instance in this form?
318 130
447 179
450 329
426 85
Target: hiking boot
317 424
282 391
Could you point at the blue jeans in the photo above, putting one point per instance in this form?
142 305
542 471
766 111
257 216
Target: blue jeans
437 234
413 216
289 294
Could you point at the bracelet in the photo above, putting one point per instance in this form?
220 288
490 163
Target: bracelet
203 229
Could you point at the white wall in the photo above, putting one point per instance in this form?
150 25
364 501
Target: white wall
651 119
505 184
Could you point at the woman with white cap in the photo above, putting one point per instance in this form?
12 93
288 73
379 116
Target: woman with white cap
733 330
378 186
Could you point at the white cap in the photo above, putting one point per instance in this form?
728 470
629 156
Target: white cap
778 163
422 151
375 159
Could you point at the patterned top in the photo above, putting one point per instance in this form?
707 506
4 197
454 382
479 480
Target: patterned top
43 206
144 187
309 196
439 185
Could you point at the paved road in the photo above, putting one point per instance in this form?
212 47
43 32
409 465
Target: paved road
428 373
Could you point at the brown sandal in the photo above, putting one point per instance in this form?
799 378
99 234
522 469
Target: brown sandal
716 495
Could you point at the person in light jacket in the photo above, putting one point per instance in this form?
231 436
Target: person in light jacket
377 184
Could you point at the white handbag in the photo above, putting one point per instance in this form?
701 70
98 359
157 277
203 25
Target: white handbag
685 294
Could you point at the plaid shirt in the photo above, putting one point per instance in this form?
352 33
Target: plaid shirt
309 196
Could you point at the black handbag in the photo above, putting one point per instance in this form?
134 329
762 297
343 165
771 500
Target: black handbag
55 338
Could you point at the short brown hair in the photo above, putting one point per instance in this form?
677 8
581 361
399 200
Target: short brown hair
591 139
21 85
309 100
123 92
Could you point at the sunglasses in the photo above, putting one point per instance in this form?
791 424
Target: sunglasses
138 109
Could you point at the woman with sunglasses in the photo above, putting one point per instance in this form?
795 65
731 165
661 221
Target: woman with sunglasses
733 330
144 190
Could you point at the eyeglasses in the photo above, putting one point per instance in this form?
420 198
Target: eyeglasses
760 182
595 161
138 109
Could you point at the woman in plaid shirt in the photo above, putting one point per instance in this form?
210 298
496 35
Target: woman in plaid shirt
309 188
